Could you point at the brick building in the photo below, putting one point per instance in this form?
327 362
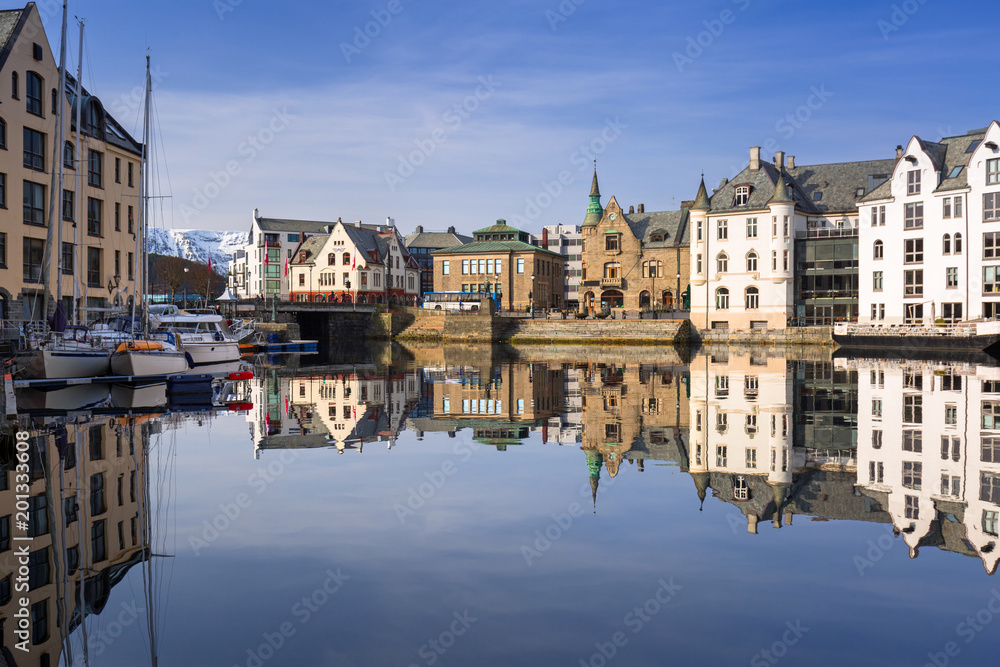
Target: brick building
500 260
635 260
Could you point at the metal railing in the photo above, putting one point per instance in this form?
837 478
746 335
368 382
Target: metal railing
827 233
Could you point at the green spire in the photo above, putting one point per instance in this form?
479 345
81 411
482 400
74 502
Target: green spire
594 210
701 202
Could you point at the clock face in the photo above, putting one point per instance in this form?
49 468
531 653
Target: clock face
614 215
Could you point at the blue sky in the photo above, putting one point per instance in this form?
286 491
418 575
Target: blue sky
459 113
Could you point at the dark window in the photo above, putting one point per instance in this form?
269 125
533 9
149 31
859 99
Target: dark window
67 258
70 509
3 133
38 568
40 622
98 543
38 514
36 51
3 190
3 265
130 178
118 216
13 85
95 208
4 533
95 169
34 203
69 155
97 503
118 170
33 93
5 589
34 149
94 267
72 560
92 120
68 205
130 216
33 251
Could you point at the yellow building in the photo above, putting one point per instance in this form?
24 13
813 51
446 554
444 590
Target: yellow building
103 158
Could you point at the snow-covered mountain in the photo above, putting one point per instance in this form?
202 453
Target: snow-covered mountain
198 245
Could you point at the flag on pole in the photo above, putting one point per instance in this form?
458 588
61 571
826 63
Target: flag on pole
286 266
354 261
209 262
266 258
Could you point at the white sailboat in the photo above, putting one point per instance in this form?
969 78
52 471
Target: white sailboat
153 354
204 335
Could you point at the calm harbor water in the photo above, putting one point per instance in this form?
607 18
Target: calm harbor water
467 506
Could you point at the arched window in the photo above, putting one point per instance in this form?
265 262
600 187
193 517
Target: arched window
774 260
741 490
958 244
612 270
14 85
33 93
93 119
751 262
644 299
722 299
3 133
946 244
331 259
752 298
722 263
878 250
347 259
69 155
742 195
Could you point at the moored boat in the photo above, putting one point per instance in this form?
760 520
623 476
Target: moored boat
69 354
977 336
148 357
204 335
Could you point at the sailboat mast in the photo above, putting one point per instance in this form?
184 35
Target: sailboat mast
141 254
77 246
57 153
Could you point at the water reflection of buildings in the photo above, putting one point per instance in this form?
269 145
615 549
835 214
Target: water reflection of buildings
929 452
89 522
342 409
776 437
632 412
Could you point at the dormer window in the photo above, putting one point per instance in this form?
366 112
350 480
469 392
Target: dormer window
742 195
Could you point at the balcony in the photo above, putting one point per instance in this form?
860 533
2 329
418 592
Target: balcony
828 233
611 282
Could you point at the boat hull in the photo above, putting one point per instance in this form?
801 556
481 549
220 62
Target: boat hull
146 362
215 352
975 343
60 364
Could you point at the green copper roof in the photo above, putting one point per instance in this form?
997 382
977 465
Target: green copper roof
594 209
493 246
501 227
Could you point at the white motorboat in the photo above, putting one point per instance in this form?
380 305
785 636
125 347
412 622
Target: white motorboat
204 335
149 357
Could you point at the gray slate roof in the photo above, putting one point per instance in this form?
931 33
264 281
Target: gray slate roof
956 156
494 246
673 224
8 22
292 226
435 240
839 182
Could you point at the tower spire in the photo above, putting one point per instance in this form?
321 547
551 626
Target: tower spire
594 210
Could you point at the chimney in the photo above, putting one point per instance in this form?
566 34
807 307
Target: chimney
754 158
779 159
420 229
389 222
256 215
687 203
899 151
642 208
545 237
791 162
451 230
631 209
357 223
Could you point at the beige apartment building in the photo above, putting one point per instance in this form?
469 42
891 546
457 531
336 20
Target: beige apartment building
100 189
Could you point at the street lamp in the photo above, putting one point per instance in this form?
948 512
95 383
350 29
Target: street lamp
185 289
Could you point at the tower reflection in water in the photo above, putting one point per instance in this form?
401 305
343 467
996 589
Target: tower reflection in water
911 445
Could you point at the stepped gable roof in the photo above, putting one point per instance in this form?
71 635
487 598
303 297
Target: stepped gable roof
494 246
957 155
672 224
839 182
935 150
435 239
311 246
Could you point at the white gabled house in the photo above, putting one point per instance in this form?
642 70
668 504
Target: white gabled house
354 263
929 243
